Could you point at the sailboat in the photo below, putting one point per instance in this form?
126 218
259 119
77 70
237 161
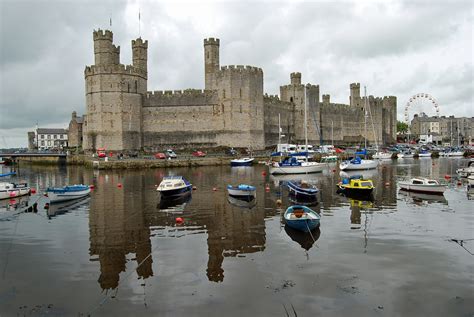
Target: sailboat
292 165
357 163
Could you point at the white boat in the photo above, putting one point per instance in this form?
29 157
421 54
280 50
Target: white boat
423 185
424 154
12 190
172 187
466 171
294 166
405 155
358 164
382 156
455 154
242 191
246 161
67 193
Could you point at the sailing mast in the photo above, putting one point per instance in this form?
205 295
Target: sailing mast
365 118
305 125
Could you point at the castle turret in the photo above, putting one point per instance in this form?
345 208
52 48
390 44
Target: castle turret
211 62
295 78
326 99
105 52
355 94
140 54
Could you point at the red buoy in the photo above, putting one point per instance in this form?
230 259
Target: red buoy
119 185
447 176
264 173
334 170
91 186
33 190
179 220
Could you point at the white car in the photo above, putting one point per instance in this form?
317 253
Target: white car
170 154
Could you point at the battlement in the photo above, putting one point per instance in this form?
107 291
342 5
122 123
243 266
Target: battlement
140 43
271 97
241 69
310 86
355 86
295 78
186 92
212 41
103 35
113 69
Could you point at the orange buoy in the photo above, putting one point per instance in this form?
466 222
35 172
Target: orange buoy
119 185
179 220
33 190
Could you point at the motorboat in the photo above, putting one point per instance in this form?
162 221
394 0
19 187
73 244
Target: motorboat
424 154
301 218
293 166
405 154
466 171
172 187
355 186
302 189
12 190
59 194
246 161
242 191
382 156
358 164
423 185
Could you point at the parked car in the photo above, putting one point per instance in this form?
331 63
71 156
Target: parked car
231 151
170 154
199 153
338 150
160 156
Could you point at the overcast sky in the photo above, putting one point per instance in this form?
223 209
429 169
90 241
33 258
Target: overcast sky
393 47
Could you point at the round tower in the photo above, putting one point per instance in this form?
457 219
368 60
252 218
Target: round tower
140 54
211 61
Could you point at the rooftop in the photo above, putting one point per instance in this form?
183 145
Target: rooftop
51 131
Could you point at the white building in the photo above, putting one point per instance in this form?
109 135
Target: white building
50 138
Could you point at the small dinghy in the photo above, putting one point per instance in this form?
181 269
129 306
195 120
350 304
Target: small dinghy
12 190
301 218
246 161
67 193
466 171
303 190
242 191
423 185
172 187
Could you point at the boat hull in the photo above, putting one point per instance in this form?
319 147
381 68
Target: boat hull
382 156
429 189
302 193
364 165
304 168
56 197
241 162
15 192
175 192
241 194
355 193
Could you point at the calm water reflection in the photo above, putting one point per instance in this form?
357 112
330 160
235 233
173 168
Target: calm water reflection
227 252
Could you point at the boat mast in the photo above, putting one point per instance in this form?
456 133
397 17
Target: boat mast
305 125
365 118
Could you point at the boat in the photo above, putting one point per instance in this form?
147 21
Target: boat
246 161
291 165
355 186
357 163
302 189
424 153
405 154
246 204
59 194
301 218
12 190
423 185
172 187
305 240
382 156
242 191
466 171
329 158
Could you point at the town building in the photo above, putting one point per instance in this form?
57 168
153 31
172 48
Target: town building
448 131
47 139
75 130
232 110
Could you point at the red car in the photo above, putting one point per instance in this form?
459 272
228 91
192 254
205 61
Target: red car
160 156
338 150
199 153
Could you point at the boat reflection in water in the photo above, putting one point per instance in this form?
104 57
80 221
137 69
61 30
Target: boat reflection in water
303 201
356 207
242 203
177 204
63 207
422 198
304 239
14 203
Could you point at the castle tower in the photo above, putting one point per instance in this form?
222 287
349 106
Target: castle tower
140 54
105 52
295 93
355 95
114 96
211 62
326 100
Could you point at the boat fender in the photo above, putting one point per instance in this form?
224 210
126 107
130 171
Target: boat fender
12 194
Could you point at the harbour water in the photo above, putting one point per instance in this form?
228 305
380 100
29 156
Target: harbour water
121 253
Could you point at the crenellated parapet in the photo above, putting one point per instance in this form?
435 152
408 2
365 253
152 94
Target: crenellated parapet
114 69
187 97
241 69
103 35
211 41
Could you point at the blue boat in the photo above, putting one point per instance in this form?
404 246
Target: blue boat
301 218
172 187
302 189
246 161
67 193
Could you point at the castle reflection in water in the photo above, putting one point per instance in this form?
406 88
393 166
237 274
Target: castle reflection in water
123 219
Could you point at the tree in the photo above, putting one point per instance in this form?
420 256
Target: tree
402 127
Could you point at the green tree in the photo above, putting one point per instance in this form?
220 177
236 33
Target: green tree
402 127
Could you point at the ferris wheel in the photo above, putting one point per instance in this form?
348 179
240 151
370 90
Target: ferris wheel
420 103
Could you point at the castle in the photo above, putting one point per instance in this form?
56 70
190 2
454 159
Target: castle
232 110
